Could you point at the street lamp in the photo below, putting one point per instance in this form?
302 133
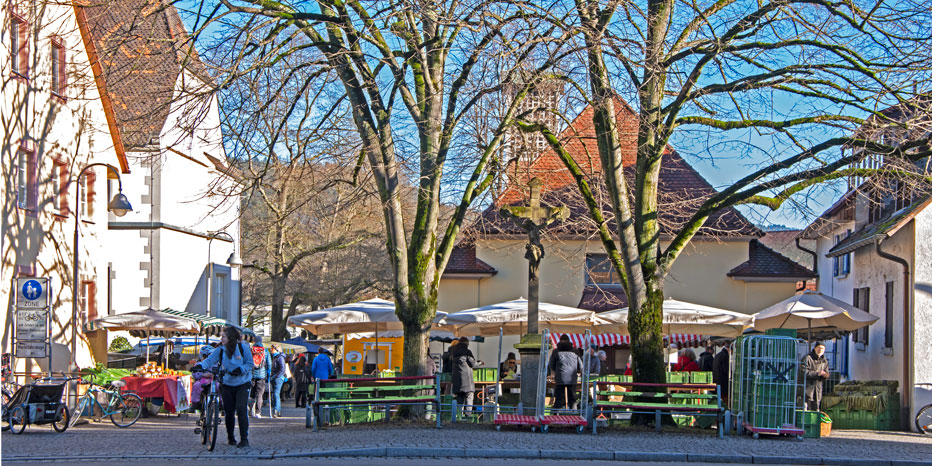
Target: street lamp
233 261
119 205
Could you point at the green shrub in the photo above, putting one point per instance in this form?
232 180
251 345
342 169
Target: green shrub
119 344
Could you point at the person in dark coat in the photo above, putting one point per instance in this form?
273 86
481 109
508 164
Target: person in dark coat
706 358
815 367
302 381
446 361
463 362
720 368
564 364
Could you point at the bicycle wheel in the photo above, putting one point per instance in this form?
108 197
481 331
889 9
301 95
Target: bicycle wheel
924 419
128 410
17 419
62 417
211 423
203 426
76 412
4 420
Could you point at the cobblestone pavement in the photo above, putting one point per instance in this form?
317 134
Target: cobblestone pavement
173 436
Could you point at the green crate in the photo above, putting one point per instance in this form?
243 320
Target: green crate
810 423
677 377
485 374
867 420
781 332
700 377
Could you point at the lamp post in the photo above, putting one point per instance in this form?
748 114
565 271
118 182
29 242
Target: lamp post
233 261
119 205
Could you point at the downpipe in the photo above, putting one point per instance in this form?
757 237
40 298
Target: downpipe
906 410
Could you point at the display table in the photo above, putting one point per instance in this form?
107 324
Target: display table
174 390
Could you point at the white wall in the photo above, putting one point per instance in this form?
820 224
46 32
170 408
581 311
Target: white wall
922 311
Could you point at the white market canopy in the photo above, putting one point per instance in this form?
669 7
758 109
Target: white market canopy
371 315
680 317
813 310
511 317
149 321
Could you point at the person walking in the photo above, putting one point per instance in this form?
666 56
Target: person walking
288 386
235 361
261 360
706 358
815 367
302 379
462 364
565 364
277 377
595 363
321 369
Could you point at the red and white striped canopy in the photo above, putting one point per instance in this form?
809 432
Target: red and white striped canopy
610 339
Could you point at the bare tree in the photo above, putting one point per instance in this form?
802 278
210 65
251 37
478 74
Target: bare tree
784 84
409 72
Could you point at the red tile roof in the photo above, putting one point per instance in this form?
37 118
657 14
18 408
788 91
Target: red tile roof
765 262
682 188
141 47
463 260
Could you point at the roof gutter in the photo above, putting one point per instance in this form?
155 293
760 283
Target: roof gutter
906 415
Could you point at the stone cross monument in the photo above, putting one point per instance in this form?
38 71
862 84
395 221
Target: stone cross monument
532 218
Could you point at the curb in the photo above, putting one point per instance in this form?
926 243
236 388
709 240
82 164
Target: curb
417 452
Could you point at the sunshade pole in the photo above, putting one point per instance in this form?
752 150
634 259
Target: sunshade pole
377 368
498 379
809 321
147 346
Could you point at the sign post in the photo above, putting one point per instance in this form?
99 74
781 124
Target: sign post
33 325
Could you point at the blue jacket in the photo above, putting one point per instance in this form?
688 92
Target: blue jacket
322 368
241 359
261 371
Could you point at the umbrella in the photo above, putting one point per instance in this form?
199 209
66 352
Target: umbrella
511 318
372 315
683 317
212 326
148 321
812 309
308 347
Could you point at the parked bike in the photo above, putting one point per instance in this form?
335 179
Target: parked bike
123 409
924 417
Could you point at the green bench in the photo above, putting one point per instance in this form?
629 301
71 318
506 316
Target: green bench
373 391
658 399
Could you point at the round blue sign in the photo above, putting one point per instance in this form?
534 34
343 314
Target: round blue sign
32 290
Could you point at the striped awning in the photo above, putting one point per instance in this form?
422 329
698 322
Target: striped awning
611 339
212 326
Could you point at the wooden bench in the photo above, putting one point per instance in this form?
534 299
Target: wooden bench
659 399
374 391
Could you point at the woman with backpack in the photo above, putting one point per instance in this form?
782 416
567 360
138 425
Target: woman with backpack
235 360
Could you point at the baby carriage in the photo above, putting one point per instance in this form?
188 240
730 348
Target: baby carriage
37 403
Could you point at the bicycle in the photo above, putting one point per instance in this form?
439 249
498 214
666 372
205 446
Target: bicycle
123 409
210 414
924 417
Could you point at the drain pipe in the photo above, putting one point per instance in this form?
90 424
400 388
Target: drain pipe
907 363
815 261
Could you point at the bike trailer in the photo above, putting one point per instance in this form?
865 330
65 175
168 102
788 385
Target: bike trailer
41 400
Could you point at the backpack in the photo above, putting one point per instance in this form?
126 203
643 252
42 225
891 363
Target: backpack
258 357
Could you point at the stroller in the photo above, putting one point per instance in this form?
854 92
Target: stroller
37 403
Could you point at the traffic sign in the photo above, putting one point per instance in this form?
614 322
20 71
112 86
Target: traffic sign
32 325
32 293
31 349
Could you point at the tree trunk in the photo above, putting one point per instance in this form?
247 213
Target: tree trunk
646 332
276 317
416 339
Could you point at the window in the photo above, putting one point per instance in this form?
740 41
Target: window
841 265
88 301
19 46
600 271
862 299
59 187
888 317
25 180
59 75
220 285
87 196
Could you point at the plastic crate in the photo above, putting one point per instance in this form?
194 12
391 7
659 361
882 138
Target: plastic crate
677 377
485 374
889 419
700 377
781 332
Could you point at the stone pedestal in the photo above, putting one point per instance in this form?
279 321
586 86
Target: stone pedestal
529 348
